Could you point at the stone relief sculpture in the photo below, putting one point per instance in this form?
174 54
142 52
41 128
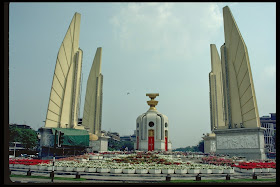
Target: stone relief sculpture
236 142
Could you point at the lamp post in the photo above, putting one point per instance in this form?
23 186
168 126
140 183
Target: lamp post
15 149
52 172
198 177
168 177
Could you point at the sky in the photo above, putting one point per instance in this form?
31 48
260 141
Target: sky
146 48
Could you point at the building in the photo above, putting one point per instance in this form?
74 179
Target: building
75 142
64 103
233 105
269 123
126 138
114 135
21 126
133 137
152 129
16 148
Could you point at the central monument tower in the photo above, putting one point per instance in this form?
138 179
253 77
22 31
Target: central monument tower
152 129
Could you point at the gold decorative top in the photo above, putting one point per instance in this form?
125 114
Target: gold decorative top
152 102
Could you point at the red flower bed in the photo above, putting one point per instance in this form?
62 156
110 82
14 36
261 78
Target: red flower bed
242 165
217 161
251 165
27 161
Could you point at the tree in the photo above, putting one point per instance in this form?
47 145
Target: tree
28 137
114 145
15 134
187 149
196 148
128 144
200 146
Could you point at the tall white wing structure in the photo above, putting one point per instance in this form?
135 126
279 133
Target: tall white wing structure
242 110
216 90
63 107
92 114
235 122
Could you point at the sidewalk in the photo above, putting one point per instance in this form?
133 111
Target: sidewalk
90 181
128 178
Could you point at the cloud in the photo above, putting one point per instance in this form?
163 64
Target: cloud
270 71
166 29
267 75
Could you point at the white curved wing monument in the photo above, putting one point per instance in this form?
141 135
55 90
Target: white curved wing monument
233 105
216 90
92 114
63 107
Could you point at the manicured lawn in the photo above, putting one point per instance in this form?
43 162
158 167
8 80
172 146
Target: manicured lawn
44 177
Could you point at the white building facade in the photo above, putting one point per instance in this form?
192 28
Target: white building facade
152 129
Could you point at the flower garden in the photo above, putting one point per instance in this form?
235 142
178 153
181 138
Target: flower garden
241 166
146 162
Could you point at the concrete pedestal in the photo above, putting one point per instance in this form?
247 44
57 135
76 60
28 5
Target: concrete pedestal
247 142
209 143
99 145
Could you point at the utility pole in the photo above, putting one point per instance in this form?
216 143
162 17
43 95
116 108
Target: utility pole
54 150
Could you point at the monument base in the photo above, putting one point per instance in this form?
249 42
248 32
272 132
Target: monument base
99 145
209 143
247 142
159 145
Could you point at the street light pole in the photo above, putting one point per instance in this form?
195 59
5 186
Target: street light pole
54 150
15 149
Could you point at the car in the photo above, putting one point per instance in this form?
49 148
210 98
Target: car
32 156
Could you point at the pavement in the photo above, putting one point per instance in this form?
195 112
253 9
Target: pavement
125 178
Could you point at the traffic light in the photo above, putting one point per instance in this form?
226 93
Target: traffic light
60 138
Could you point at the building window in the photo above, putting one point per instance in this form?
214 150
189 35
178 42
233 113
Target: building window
151 124
137 125
166 133
166 124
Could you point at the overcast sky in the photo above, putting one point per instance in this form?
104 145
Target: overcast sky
146 48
